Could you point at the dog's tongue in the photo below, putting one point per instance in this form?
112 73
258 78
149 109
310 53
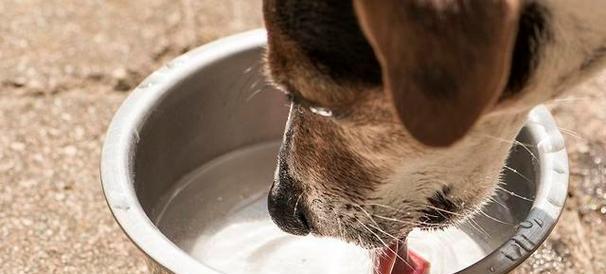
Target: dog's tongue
402 261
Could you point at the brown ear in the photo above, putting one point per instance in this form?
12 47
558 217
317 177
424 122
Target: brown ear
444 62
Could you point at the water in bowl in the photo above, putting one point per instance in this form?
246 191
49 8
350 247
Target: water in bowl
218 215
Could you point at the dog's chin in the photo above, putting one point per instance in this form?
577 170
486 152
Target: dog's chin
373 244
430 219
374 240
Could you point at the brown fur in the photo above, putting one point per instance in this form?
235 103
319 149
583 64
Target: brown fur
359 174
344 164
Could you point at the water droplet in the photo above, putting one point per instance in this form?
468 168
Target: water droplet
321 111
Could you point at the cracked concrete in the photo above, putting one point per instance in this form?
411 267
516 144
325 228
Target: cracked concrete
66 67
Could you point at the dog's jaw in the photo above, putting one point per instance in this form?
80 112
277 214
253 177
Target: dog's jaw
398 184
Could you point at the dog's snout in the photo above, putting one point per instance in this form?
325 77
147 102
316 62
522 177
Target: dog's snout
286 206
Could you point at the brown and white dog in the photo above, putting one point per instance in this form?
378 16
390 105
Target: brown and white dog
404 111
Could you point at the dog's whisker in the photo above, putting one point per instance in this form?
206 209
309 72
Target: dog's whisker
373 233
294 212
419 223
518 173
392 219
253 94
513 142
256 89
527 148
383 206
566 131
572 133
493 199
388 219
474 225
503 140
494 219
378 227
366 213
514 194
250 67
360 242
569 99
397 210
340 227
478 227
249 77
460 227
445 211
384 244
242 82
386 207
255 83
385 232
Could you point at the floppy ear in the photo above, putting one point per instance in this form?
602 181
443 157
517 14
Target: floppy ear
444 62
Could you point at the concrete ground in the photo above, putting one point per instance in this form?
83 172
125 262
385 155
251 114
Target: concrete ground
65 66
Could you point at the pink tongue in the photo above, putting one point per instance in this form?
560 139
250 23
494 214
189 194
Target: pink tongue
404 262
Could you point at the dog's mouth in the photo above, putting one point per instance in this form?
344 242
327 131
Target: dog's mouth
397 259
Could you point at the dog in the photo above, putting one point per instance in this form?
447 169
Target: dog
403 113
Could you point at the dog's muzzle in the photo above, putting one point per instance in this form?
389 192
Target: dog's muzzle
286 206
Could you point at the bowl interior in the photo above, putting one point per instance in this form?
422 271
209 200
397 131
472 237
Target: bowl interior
205 160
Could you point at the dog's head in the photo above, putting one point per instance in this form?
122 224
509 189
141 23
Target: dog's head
402 111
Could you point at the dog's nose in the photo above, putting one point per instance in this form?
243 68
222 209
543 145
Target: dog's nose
286 207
